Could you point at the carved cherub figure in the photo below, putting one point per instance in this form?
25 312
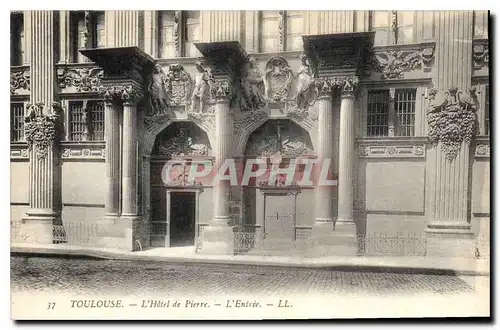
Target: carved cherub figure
201 87
157 90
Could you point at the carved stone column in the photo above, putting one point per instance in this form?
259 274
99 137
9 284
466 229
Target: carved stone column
42 131
130 96
113 152
345 220
324 194
452 118
218 236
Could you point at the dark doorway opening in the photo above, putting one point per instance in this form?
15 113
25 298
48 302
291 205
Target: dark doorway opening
182 218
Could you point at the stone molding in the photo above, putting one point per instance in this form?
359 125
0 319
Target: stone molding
482 147
79 78
395 61
392 148
19 80
451 116
19 151
83 150
42 130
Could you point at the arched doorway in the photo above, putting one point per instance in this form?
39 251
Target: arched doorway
175 203
273 206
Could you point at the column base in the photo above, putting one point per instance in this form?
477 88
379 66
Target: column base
217 240
136 232
451 240
37 226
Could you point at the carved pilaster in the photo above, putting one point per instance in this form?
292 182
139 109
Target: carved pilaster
282 30
177 33
126 93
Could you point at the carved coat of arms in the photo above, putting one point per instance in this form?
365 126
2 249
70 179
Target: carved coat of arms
277 79
179 85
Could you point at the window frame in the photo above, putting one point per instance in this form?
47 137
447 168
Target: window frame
19 37
182 31
67 119
74 18
391 37
286 36
420 123
24 101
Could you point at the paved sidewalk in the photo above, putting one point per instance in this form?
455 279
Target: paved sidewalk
457 266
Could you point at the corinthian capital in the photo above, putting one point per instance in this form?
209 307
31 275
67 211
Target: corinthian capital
324 86
128 93
221 90
347 85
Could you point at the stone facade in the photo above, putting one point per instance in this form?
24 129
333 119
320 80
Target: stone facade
405 125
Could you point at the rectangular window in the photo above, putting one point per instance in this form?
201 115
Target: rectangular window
405 111
377 116
381 24
86 120
87 30
294 30
405 24
99 40
269 31
166 47
192 32
487 109
16 39
17 121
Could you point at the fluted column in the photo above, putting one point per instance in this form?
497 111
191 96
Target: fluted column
112 140
346 152
323 193
43 120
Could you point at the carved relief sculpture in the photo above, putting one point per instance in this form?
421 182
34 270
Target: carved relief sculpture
392 64
480 54
277 79
82 79
201 91
19 80
306 87
42 130
281 29
158 91
177 38
452 119
87 35
183 145
178 85
252 86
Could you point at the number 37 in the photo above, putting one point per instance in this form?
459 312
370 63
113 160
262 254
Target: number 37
51 305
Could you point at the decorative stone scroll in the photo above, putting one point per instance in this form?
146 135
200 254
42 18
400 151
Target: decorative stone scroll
19 79
42 130
277 79
83 79
393 62
482 150
452 119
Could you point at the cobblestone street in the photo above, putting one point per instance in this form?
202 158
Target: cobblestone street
85 276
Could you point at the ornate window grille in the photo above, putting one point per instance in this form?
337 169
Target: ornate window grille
405 110
17 121
86 120
388 116
487 109
16 38
378 113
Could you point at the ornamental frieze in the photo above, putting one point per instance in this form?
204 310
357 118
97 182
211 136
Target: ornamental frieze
451 116
81 79
395 62
84 152
19 152
482 150
19 80
42 130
